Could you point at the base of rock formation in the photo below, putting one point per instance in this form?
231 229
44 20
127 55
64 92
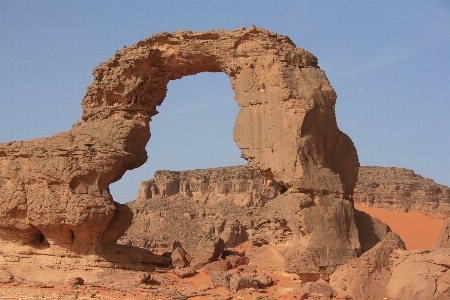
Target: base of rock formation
224 221
237 204
389 272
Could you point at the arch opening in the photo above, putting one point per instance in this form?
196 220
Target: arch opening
193 130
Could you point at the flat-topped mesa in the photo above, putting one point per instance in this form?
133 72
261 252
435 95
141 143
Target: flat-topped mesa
401 190
57 188
245 186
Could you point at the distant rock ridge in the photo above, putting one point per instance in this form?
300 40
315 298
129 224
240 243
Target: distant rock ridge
247 187
401 190
185 205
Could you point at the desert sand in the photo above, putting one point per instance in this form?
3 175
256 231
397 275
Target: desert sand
418 231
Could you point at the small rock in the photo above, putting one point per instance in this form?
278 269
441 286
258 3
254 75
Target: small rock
238 282
76 281
180 258
145 278
221 278
220 265
206 287
263 279
6 277
185 272
236 260
262 297
321 288
246 269
208 250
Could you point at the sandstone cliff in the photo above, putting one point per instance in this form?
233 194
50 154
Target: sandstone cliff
401 190
184 206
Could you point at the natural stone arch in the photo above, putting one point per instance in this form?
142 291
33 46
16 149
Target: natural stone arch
286 126
57 187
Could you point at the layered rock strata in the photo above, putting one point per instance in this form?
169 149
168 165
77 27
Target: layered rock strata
184 206
401 190
56 189
238 204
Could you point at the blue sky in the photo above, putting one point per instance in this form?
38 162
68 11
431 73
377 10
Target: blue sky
388 61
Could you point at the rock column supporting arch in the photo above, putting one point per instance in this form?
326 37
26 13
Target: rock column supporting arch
57 188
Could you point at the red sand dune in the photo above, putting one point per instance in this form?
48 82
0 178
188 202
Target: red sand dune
418 231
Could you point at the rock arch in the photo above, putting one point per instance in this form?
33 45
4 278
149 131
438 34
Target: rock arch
286 102
286 128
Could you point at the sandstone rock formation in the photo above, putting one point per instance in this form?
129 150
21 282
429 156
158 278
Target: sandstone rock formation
444 238
184 206
56 189
237 204
388 272
245 187
401 190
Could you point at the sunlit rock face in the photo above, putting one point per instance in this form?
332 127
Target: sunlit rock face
56 189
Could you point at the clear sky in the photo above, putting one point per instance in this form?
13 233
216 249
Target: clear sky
389 62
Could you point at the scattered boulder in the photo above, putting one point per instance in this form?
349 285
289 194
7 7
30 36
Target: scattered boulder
264 280
246 269
321 287
185 272
180 258
221 278
6 276
420 275
389 271
367 276
208 250
237 260
76 281
220 265
239 282
145 278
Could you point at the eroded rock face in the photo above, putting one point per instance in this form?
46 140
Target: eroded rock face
388 271
402 190
444 238
57 188
189 204
245 187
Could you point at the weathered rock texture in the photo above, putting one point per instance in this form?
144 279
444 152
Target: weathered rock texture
401 190
185 206
387 271
444 238
56 189
237 204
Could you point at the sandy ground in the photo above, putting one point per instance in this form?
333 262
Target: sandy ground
418 231
173 288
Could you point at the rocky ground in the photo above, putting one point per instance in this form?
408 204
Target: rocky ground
208 224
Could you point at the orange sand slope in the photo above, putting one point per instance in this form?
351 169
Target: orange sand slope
418 231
